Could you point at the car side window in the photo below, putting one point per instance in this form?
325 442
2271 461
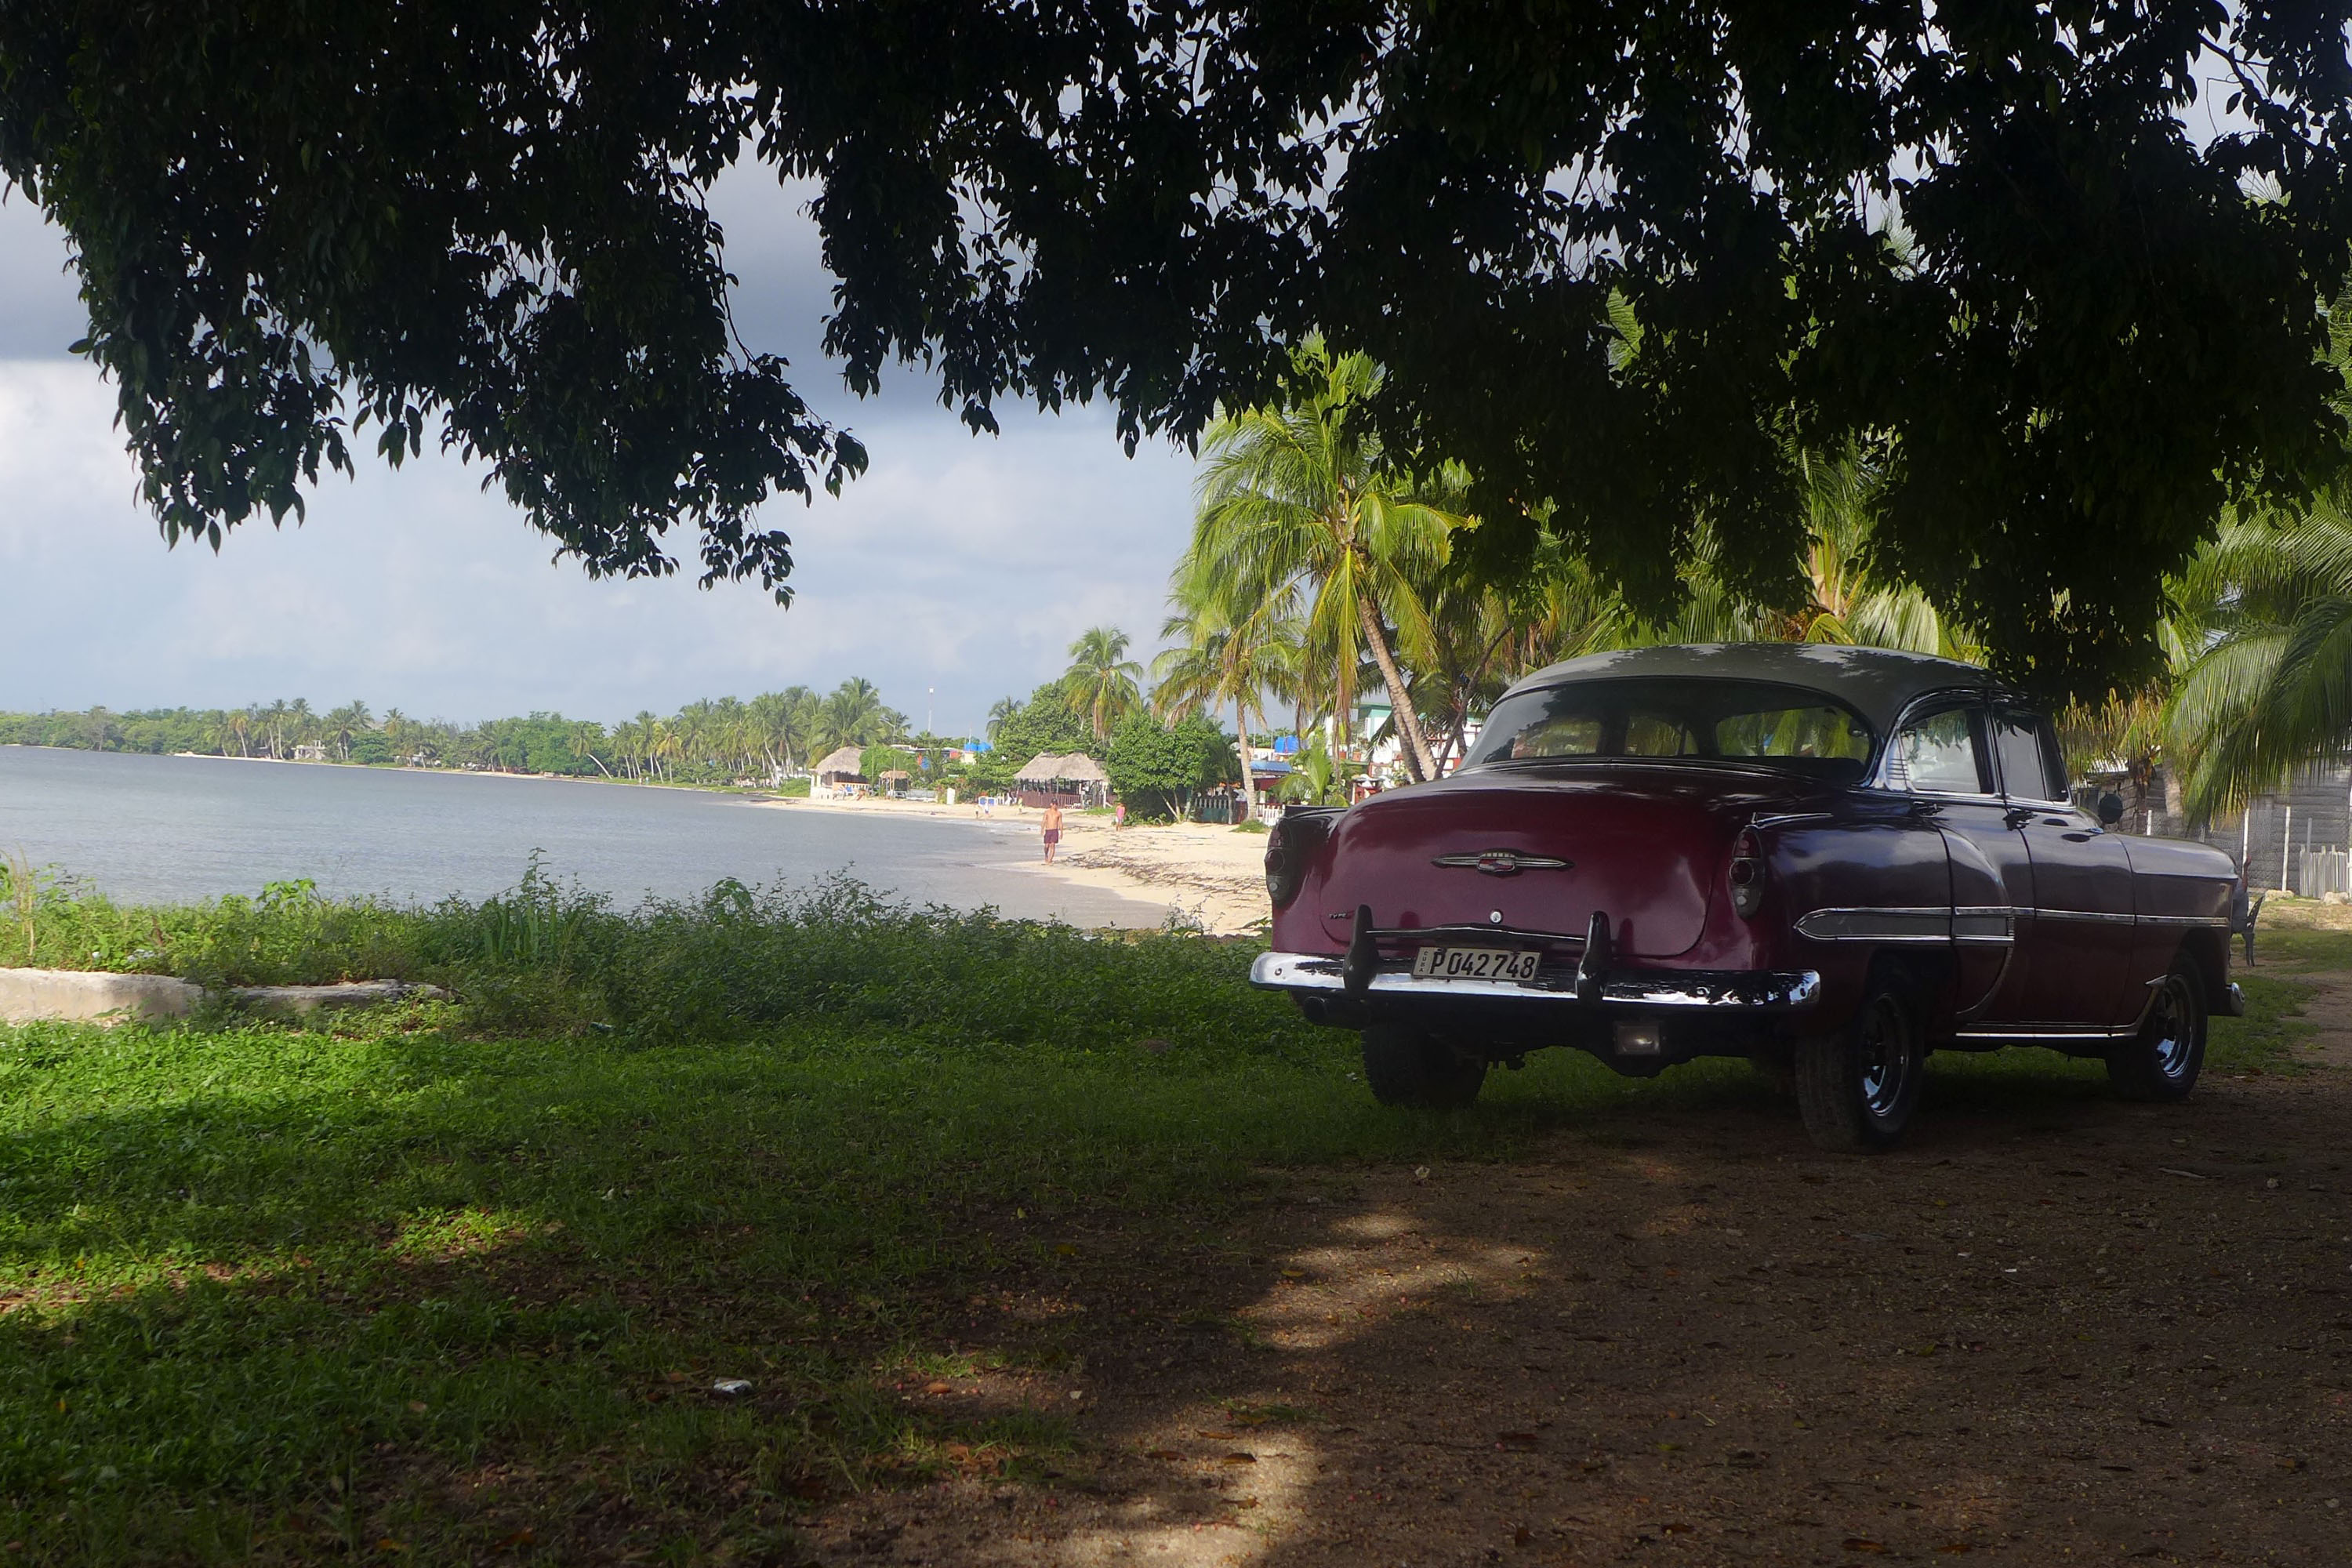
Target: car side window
1650 735
2027 756
1565 735
1941 754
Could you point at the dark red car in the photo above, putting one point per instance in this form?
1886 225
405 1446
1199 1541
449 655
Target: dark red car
1831 860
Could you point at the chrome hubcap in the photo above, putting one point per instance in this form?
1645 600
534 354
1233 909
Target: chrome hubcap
2170 1030
1886 1058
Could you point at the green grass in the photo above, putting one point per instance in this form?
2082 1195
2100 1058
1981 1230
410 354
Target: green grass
444 1273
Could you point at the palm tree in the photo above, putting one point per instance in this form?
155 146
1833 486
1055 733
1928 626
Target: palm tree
2261 647
779 725
1848 601
852 715
343 724
1101 685
1226 653
2264 650
1005 708
646 729
667 744
1300 498
582 740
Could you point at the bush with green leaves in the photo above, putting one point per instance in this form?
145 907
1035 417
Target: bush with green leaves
1158 769
740 960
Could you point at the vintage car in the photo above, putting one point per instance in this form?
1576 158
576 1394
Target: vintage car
1831 860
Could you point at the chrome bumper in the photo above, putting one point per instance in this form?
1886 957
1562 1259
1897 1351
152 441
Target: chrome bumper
1760 990
2233 1000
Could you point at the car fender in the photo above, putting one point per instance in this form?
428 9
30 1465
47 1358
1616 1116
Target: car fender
1855 890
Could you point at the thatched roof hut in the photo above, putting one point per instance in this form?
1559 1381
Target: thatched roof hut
1076 773
1041 770
841 766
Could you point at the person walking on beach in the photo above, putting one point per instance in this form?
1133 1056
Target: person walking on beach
1052 834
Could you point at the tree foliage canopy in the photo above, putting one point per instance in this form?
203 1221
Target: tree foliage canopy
1619 259
1158 768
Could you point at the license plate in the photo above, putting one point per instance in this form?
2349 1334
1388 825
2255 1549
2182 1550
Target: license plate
1474 963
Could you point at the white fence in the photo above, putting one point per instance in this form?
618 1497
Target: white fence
2322 871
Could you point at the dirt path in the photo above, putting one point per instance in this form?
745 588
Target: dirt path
2052 1328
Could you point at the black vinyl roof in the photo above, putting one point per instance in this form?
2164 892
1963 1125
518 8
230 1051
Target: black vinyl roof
1876 682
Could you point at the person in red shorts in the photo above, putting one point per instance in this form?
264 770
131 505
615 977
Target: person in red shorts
1053 830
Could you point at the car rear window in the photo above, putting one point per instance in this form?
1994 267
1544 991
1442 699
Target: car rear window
1749 721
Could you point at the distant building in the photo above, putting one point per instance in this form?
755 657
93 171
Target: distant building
2295 838
840 768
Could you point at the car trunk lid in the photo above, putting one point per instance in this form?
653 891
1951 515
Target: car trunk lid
1646 844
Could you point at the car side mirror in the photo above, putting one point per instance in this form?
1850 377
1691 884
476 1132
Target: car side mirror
2111 809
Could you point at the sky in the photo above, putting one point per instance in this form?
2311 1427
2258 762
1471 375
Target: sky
956 571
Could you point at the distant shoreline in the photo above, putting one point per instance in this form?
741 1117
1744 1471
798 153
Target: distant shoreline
1205 871
1200 871
741 791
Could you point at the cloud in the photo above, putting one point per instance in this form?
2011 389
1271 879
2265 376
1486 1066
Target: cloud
958 562
40 305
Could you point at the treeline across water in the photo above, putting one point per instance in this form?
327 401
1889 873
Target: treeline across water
772 740
715 740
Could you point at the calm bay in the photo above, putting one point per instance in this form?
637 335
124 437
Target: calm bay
171 829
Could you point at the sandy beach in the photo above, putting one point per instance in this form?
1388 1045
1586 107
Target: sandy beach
1201 871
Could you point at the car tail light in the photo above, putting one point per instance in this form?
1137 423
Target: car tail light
1746 873
1297 835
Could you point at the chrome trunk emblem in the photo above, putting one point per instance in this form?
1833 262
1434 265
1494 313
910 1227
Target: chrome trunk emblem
1503 862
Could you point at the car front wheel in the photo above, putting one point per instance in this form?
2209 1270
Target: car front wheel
1405 1066
1858 1087
2161 1062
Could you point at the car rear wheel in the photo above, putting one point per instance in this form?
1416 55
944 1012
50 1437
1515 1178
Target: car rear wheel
2162 1061
1858 1087
1405 1066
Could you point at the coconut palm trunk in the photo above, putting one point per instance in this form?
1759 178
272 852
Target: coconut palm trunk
1240 735
1417 756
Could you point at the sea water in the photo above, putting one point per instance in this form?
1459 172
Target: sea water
170 829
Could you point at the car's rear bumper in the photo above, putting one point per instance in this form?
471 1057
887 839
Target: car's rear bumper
1710 990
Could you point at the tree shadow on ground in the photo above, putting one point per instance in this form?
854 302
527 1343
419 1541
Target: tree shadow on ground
484 1321
2052 1323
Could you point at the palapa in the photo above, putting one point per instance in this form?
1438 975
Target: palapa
1041 770
847 762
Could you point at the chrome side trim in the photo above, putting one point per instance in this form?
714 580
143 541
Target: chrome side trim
1993 925
2026 1033
1319 973
1877 925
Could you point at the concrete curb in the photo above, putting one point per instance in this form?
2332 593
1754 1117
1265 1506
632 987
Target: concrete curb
81 996
28 995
